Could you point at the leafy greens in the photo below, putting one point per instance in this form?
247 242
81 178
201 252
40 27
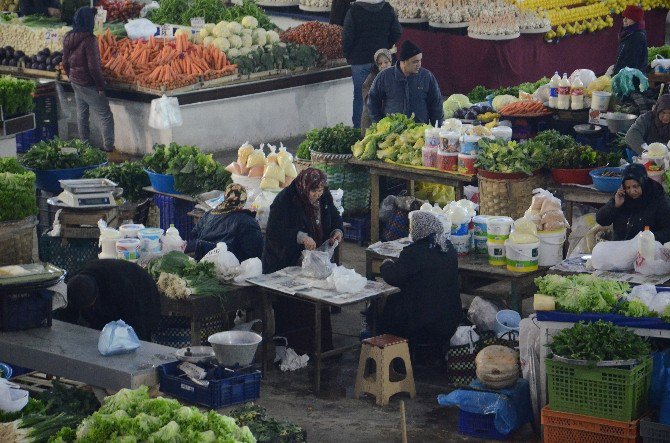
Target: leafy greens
62 154
511 157
17 191
128 175
582 292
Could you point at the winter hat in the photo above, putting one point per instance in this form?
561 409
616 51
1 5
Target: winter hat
634 13
635 171
408 50
385 52
423 224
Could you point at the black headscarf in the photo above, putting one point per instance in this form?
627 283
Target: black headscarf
637 172
659 130
84 20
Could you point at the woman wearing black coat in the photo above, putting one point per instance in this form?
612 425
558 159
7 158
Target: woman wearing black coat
638 203
302 217
428 308
633 48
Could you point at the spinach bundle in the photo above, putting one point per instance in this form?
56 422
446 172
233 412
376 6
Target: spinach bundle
17 191
128 175
62 154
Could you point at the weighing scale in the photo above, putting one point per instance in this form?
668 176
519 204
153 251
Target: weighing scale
88 193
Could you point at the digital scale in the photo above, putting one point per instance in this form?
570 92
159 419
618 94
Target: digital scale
87 193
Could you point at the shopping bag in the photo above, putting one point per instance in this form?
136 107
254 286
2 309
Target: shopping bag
117 338
316 263
165 113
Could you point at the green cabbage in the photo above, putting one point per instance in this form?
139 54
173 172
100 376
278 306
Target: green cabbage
450 107
502 100
462 100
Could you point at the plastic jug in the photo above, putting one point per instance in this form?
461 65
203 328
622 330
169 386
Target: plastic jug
564 93
647 244
577 94
107 242
553 90
172 231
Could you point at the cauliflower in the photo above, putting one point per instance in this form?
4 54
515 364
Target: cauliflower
235 41
221 43
173 286
272 37
247 41
249 22
234 28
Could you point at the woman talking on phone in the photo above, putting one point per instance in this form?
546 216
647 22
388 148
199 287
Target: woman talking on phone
639 202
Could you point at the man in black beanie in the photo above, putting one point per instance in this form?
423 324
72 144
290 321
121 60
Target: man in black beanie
407 89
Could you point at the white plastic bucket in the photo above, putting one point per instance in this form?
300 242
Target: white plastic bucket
551 247
130 230
496 253
600 100
150 240
461 243
128 249
506 321
480 244
480 222
522 257
498 229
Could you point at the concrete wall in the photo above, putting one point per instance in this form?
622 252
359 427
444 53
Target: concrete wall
225 124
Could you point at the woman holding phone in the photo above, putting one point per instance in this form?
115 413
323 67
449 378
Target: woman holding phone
638 203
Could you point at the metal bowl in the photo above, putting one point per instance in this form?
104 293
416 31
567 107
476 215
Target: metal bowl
619 122
233 348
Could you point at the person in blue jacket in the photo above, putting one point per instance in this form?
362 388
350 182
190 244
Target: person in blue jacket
231 224
407 89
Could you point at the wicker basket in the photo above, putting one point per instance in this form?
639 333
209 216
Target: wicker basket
137 212
509 197
17 241
326 157
301 165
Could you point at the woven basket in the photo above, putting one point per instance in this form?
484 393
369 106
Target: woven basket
17 241
137 212
301 165
326 157
507 197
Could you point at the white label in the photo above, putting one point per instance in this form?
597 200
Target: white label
187 387
47 37
198 22
102 13
166 31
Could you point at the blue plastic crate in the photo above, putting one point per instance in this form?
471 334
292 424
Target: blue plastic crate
25 140
357 229
25 310
479 426
175 211
222 391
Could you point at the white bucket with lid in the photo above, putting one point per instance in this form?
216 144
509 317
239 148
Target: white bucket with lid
130 230
551 247
496 253
150 239
498 228
522 257
128 249
480 222
480 244
600 100
107 243
461 243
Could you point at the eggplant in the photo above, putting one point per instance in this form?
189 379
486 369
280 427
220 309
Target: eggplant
57 59
13 62
40 58
19 54
34 65
48 61
4 62
49 68
471 115
26 60
42 67
46 52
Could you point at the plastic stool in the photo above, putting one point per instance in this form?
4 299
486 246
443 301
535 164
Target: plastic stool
384 381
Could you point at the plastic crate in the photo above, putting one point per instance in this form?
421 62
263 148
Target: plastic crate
222 391
560 427
26 140
25 310
652 432
71 254
175 330
357 229
610 393
175 211
479 426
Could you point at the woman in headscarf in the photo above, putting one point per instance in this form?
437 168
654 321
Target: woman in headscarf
302 217
231 224
632 51
383 59
651 127
81 62
428 307
640 202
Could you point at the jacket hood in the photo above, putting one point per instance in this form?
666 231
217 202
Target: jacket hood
74 39
84 20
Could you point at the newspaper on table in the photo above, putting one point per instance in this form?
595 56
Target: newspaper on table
390 248
578 265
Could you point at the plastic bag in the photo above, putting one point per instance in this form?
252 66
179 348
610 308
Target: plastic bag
465 335
434 193
659 377
529 359
316 263
261 205
165 113
12 399
172 243
659 266
225 262
623 83
249 268
117 338
140 28
347 280
147 9
483 314
585 75
614 255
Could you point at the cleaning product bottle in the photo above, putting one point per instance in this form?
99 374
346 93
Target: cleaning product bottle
647 244
553 90
172 231
564 93
577 94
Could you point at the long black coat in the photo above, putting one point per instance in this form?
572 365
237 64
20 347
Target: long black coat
632 52
429 304
239 230
628 220
286 219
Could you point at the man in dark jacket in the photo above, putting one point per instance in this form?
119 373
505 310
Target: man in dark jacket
108 290
368 26
81 62
640 202
407 89
632 51
428 308
338 11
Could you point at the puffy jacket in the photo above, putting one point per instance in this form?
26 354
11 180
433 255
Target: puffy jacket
419 94
632 52
367 28
81 60
239 230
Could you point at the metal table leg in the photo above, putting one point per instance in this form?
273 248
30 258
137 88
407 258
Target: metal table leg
317 348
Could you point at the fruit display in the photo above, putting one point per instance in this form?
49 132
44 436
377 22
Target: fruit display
31 40
327 38
393 126
44 60
473 112
316 4
233 38
121 10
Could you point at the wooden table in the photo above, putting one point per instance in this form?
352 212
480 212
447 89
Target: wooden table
383 169
578 194
471 267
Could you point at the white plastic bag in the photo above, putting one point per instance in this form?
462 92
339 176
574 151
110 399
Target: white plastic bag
483 314
12 399
465 335
316 263
117 338
262 205
225 263
614 255
249 268
165 113
347 280
140 28
338 194
585 75
659 266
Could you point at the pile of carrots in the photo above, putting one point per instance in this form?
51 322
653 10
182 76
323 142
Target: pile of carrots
159 64
523 108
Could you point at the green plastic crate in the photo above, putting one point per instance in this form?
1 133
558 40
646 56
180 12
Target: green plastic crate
611 393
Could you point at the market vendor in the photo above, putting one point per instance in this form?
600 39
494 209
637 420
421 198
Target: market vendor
108 290
231 224
407 88
651 127
428 308
40 7
302 217
638 203
632 51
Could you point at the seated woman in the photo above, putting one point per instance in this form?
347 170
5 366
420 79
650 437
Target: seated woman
638 203
428 308
302 217
231 224
651 127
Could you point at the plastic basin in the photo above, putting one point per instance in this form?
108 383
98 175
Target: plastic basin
49 180
572 176
162 182
606 184
235 348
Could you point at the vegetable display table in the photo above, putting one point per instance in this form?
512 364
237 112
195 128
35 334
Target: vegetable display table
382 169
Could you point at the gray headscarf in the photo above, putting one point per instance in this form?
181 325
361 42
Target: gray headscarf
423 224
